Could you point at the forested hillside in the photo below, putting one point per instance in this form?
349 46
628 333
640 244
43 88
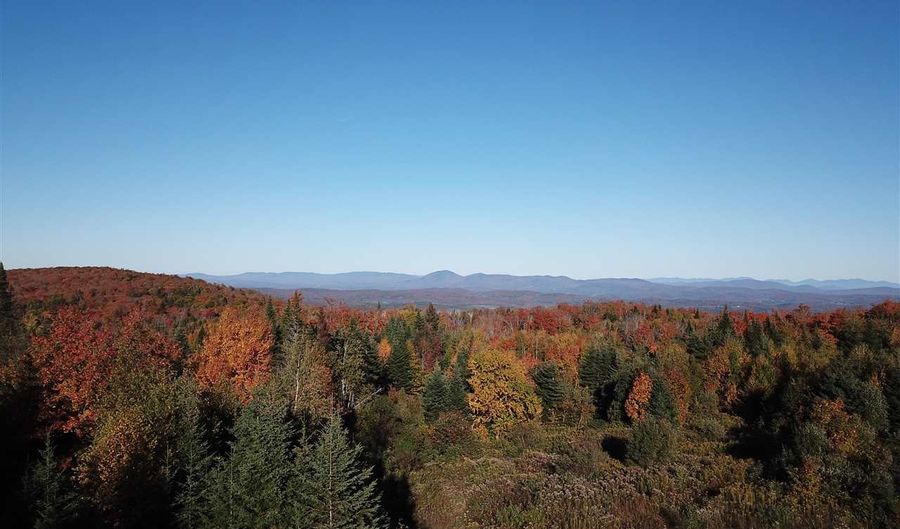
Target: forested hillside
141 400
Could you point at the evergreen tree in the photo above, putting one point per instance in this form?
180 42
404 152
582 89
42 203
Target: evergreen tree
457 390
329 489
723 330
598 372
356 364
662 404
247 490
695 344
436 396
52 502
20 394
755 337
652 441
399 366
598 367
193 459
549 384
275 324
12 339
8 317
304 378
773 332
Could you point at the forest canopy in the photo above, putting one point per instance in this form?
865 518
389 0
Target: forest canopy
145 400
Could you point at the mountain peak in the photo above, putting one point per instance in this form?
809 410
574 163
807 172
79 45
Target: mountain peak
442 274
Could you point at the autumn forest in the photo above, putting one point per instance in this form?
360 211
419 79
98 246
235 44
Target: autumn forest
139 400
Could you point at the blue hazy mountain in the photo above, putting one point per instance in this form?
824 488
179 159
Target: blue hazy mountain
451 289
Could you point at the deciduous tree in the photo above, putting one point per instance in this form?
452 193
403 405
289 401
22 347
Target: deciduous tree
237 352
501 394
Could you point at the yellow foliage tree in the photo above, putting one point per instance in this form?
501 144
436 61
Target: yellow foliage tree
501 394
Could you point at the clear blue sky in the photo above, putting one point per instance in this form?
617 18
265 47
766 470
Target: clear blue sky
598 139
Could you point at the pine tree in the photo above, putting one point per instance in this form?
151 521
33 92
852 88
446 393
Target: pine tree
457 398
757 343
436 396
7 309
11 335
598 367
305 378
598 373
549 384
20 394
247 490
723 330
329 489
275 324
662 404
356 364
399 367
52 503
193 459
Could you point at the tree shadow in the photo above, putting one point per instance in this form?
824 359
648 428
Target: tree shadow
616 447
398 501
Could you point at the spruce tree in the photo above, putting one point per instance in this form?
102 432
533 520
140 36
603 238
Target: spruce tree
723 330
52 502
662 404
598 367
549 384
755 337
7 309
598 372
329 488
193 459
436 396
356 364
12 339
20 395
457 389
247 490
399 367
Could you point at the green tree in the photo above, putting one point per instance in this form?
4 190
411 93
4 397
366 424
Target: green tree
356 365
247 490
757 341
304 378
457 390
19 398
52 501
598 372
597 367
193 458
723 330
662 404
399 367
436 396
549 384
652 441
329 489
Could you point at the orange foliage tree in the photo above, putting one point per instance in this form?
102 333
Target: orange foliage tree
236 352
639 398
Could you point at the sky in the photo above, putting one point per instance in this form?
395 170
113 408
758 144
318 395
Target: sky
588 139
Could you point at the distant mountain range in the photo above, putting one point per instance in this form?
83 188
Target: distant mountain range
451 290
